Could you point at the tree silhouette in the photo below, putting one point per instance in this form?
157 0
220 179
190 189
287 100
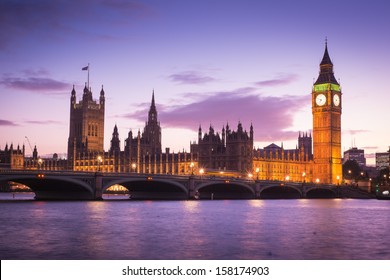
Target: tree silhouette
351 170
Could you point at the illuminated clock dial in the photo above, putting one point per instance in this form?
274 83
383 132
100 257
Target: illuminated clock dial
336 100
320 100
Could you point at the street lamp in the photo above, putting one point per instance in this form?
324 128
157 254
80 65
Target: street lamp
303 177
201 171
40 161
317 180
99 161
192 168
250 175
338 179
257 173
133 166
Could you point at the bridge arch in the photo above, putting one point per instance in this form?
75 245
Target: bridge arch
224 189
48 187
150 188
321 192
281 191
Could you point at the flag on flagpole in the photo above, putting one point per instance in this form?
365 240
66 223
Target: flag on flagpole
85 68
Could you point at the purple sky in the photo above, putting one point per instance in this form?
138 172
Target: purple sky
209 62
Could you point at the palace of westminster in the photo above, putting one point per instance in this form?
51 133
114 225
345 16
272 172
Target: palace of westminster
316 158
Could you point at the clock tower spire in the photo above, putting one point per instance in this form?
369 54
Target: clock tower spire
326 111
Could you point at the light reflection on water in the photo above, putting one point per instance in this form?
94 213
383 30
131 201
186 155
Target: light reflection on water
219 229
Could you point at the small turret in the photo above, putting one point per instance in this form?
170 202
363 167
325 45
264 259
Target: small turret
115 142
87 95
102 98
223 136
35 153
73 98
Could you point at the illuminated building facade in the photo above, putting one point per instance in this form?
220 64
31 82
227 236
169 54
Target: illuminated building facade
230 151
316 158
11 158
276 163
326 111
142 153
86 126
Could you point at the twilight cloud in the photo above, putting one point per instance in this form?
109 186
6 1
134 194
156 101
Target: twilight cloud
42 122
7 123
271 116
34 83
190 77
280 80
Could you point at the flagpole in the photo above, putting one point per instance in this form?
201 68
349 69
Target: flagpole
88 76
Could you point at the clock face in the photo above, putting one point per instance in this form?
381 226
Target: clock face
320 100
336 100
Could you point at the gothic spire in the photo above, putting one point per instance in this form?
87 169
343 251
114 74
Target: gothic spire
153 111
326 58
153 105
73 91
326 69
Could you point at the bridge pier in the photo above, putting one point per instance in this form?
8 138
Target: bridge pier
257 190
191 187
304 191
98 186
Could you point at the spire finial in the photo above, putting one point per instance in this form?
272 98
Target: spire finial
153 103
326 41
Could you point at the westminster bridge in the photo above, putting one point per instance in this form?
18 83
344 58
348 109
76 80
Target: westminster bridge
63 185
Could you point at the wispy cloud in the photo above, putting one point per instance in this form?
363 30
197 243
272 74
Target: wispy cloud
7 123
355 131
34 83
280 80
42 122
271 116
190 77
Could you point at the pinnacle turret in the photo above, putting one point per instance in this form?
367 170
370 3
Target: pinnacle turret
326 69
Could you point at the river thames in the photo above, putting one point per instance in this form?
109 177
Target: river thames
300 229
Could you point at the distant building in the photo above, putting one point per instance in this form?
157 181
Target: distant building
382 160
11 158
356 155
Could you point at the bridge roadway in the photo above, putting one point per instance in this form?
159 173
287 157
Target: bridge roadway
67 185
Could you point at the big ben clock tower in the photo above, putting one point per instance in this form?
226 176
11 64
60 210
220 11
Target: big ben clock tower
326 110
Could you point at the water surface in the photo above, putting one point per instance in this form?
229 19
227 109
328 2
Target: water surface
219 229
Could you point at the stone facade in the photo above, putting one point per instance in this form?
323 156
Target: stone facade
229 151
142 153
11 158
86 126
